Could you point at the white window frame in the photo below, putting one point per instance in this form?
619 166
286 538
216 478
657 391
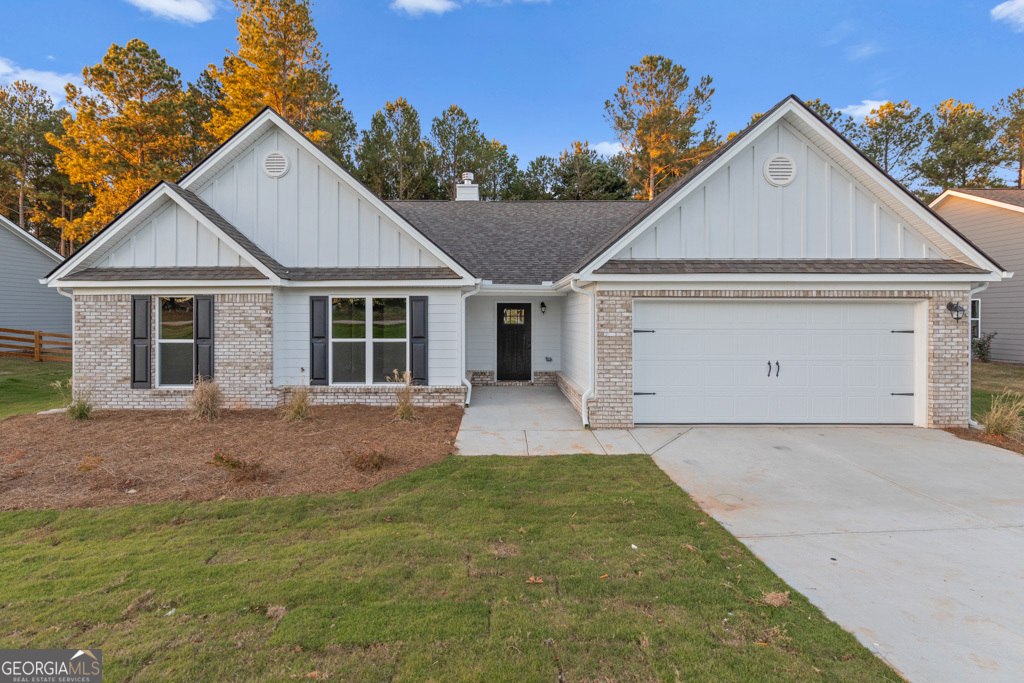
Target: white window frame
971 318
160 342
368 339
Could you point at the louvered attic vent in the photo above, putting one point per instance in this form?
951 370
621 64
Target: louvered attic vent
780 170
275 164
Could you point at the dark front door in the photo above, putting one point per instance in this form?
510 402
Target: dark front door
513 342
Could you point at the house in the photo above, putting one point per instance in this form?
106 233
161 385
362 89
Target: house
785 279
993 220
25 303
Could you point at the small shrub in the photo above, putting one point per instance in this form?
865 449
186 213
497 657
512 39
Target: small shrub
982 347
299 405
8 458
77 405
243 469
403 395
1005 416
205 401
89 463
372 459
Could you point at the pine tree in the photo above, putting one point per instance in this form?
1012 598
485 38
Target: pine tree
1011 132
126 134
583 174
656 120
962 151
892 135
842 122
456 144
280 63
392 157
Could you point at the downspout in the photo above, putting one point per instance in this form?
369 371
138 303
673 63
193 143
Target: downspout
585 399
462 350
970 349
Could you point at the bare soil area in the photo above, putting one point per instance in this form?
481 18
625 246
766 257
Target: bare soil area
1013 443
125 457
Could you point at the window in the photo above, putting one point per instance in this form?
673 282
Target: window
369 339
175 341
975 319
515 316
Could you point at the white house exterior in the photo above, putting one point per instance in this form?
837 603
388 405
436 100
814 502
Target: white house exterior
25 304
784 280
994 220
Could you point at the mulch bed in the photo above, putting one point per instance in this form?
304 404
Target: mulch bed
48 461
1010 443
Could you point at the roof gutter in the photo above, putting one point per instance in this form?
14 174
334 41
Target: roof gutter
462 346
585 399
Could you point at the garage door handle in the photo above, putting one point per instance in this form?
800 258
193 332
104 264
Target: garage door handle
638 331
776 368
644 393
902 394
901 332
769 368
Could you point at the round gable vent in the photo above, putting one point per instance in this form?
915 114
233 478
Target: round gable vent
275 164
780 170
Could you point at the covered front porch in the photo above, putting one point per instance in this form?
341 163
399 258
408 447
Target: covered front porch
539 420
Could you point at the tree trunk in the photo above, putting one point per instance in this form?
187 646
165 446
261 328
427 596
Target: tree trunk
1020 175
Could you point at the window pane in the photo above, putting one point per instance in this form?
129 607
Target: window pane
388 357
175 317
515 316
349 362
175 364
389 318
348 319
975 308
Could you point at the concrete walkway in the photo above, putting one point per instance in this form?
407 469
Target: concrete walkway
911 539
540 421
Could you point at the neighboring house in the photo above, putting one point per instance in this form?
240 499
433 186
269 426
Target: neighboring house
25 303
785 279
993 220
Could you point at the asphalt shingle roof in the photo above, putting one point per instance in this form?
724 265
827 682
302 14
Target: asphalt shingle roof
788 266
518 242
1005 195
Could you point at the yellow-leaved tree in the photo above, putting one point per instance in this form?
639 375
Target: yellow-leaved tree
280 63
125 135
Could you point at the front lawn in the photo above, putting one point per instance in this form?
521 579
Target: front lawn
27 386
425 577
988 380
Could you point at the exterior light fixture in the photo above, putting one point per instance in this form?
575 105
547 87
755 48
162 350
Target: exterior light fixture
956 311
543 308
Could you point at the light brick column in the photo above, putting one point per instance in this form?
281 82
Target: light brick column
948 345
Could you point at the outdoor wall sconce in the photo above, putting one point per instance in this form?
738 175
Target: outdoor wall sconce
956 311
543 308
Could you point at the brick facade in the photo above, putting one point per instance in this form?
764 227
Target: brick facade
948 345
485 378
242 356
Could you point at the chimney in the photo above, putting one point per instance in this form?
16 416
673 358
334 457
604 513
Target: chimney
467 190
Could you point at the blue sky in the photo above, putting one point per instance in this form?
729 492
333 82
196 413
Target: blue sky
536 73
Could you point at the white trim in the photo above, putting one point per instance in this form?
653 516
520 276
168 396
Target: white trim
793 108
158 342
104 286
374 284
367 340
30 239
689 278
242 136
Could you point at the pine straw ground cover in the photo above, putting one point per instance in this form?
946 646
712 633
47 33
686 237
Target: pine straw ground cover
425 577
48 461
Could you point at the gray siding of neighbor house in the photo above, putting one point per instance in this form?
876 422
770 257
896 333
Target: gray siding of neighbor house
999 233
24 303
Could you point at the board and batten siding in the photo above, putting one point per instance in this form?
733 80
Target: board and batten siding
170 237
291 332
24 303
576 338
482 331
310 217
737 213
1000 233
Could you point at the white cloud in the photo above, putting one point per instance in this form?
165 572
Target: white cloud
608 149
863 50
1012 12
859 111
419 7
184 11
50 81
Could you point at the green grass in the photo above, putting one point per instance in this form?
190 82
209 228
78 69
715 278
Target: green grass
988 380
438 592
26 386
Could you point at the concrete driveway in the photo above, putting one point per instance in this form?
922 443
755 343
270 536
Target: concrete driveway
911 539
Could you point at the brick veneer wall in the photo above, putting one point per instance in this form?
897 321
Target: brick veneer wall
948 344
242 356
485 378
571 390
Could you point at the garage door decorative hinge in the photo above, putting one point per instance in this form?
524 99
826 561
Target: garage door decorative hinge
636 331
644 393
901 331
902 394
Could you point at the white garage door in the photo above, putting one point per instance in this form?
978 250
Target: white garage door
767 361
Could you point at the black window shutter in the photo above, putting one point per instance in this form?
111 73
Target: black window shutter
418 340
319 328
203 325
141 346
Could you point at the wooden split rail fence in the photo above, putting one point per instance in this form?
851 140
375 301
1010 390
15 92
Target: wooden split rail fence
39 346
